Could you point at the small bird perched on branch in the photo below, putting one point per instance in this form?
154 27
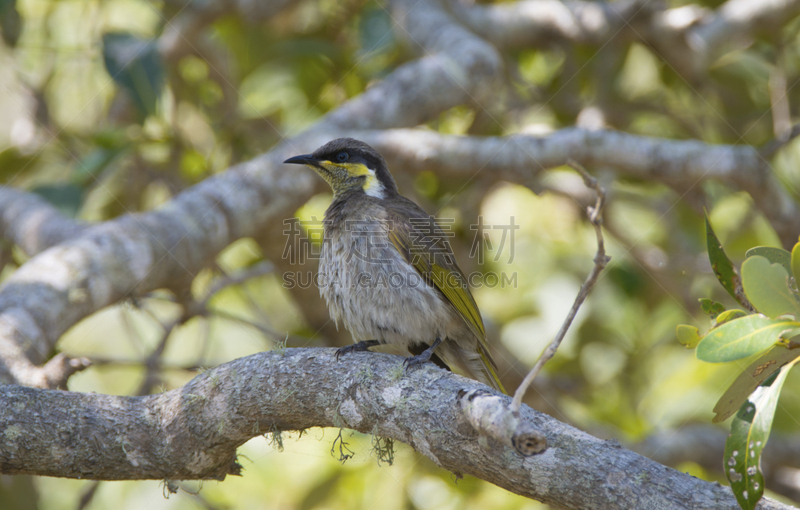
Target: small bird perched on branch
387 271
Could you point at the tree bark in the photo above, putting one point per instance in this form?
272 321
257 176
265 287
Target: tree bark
192 432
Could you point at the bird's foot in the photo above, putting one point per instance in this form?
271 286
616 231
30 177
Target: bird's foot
361 346
423 357
419 359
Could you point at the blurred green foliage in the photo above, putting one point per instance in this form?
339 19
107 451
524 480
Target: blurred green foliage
101 124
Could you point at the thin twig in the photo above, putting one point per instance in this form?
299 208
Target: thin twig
600 260
88 495
260 269
771 148
199 498
121 362
204 343
152 363
268 332
243 276
193 308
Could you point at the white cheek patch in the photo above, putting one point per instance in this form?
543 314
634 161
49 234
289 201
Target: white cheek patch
372 186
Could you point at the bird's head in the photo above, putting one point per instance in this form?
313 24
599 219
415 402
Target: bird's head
350 165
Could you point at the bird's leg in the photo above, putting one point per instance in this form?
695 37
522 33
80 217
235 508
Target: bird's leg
423 357
361 346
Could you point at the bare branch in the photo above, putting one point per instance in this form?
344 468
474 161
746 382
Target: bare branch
680 164
30 222
600 260
457 68
781 141
735 22
193 432
260 269
489 414
536 23
690 37
134 254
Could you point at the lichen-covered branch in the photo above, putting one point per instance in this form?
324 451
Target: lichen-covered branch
137 253
193 432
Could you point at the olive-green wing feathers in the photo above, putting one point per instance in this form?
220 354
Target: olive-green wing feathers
425 246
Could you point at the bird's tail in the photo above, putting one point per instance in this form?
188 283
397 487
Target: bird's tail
490 369
475 363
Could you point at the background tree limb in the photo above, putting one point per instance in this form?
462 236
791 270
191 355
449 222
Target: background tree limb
136 254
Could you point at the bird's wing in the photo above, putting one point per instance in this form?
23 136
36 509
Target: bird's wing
426 247
418 238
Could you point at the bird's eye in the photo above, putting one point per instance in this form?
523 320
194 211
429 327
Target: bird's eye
342 157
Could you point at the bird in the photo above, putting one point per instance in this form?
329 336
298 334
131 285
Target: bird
387 271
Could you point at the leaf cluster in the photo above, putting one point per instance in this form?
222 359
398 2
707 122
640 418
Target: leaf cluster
766 287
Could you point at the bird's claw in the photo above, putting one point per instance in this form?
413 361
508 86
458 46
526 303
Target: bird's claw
361 346
415 361
344 350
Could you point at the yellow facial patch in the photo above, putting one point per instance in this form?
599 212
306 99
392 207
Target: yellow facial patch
372 186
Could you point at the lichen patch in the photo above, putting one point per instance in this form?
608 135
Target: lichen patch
349 411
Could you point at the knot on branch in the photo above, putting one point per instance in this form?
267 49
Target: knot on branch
489 414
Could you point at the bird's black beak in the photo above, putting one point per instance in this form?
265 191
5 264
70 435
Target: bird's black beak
303 159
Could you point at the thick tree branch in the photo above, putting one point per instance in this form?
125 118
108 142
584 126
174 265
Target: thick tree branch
193 432
30 222
537 23
689 37
680 164
736 21
456 68
704 444
138 253
165 248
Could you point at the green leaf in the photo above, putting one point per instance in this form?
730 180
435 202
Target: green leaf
67 198
767 287
749 433
774 255
796 263
136 65
721 264
10 22
711 307
13 163
727 316
375 30
687 335
93 164
788 336
750 378
742 337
